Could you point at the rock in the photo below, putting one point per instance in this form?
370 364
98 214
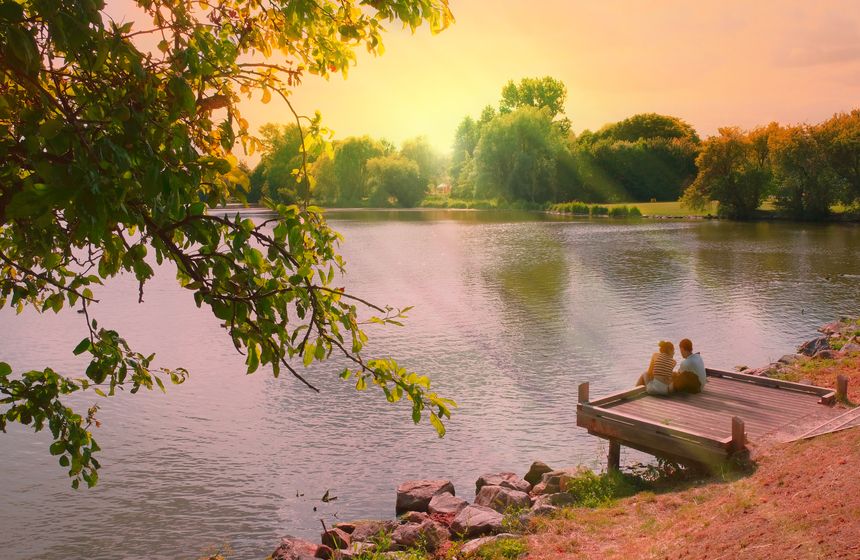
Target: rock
558 499
428 534
475 520
831 328
471 546
505 480
536 471
446 504
336 538
345 526
556 481
851 348
811 347
369 530
415 495
826 354
414 517
788 359
502 499
299 549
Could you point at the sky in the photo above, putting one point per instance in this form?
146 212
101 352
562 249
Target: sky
711 63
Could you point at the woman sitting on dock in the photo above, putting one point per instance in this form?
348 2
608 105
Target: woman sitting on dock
658 378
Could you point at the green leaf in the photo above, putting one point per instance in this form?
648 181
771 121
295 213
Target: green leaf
437 423
253 360
58 448
82 347
5 369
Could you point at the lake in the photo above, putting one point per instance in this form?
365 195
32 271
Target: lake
511 312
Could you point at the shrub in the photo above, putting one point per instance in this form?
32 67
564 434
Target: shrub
599 210
595 490
634 212
619 212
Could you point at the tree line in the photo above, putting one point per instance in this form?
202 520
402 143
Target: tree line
523 150
804 169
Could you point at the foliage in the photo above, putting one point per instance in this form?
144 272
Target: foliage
840 136
540 93
733 170
275 177
516 156
647 126
431 165
598 490
350 167
395 179
806 182
111 153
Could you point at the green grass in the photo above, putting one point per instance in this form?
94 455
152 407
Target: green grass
502 549
673 209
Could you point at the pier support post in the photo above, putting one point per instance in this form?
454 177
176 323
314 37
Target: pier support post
613 462
583 392
739 435
841 388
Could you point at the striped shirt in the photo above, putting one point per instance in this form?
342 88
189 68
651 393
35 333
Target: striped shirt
661 367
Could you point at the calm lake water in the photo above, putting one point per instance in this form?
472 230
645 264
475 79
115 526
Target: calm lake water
512 312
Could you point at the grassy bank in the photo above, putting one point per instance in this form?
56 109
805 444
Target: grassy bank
802 502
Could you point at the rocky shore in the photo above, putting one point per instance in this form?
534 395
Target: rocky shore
433 520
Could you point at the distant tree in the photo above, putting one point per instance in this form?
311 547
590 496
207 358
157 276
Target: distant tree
540 93
395 179
465 140
350 166
275 176
325 190
840 136
430 163
646 126
516 156
807 185
732 171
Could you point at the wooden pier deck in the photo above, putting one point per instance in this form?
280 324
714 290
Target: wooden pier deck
706 427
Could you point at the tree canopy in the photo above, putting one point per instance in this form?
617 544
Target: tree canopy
114 142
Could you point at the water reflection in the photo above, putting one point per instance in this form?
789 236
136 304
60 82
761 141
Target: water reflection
512 311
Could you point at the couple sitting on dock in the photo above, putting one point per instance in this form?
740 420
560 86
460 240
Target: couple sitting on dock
660 379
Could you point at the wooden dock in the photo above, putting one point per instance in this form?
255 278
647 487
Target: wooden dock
706 427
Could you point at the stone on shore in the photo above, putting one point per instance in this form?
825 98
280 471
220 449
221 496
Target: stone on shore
414 517
554 482
299 549
831 328
505 480
446 504
471 546
811 347
536 471
428 534
355 550
502 499
850 348
415 495
475 521
826 354
788 359
369 529
336 538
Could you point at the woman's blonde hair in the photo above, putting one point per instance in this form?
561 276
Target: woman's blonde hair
666 347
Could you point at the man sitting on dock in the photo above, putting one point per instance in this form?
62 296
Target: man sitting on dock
690 377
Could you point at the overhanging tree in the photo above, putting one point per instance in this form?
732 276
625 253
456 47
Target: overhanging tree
114 142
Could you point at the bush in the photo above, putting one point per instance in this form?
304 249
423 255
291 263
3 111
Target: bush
634 212
595 490
599 211
619 212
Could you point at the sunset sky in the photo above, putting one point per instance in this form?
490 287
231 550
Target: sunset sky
711 63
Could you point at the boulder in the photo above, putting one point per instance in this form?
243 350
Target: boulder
536 471
475 520
336 538
826 354
559 499
505 480
502 499
428 534
415 495
446 504
345 526
788 359
556 481
831 328
472 546
414 517
851 348
811 347
299 549
369 530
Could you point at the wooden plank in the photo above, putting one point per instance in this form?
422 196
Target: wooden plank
619 396
646 424
680 416
583 392
613 460
768 382
758 392
710 409
651 442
